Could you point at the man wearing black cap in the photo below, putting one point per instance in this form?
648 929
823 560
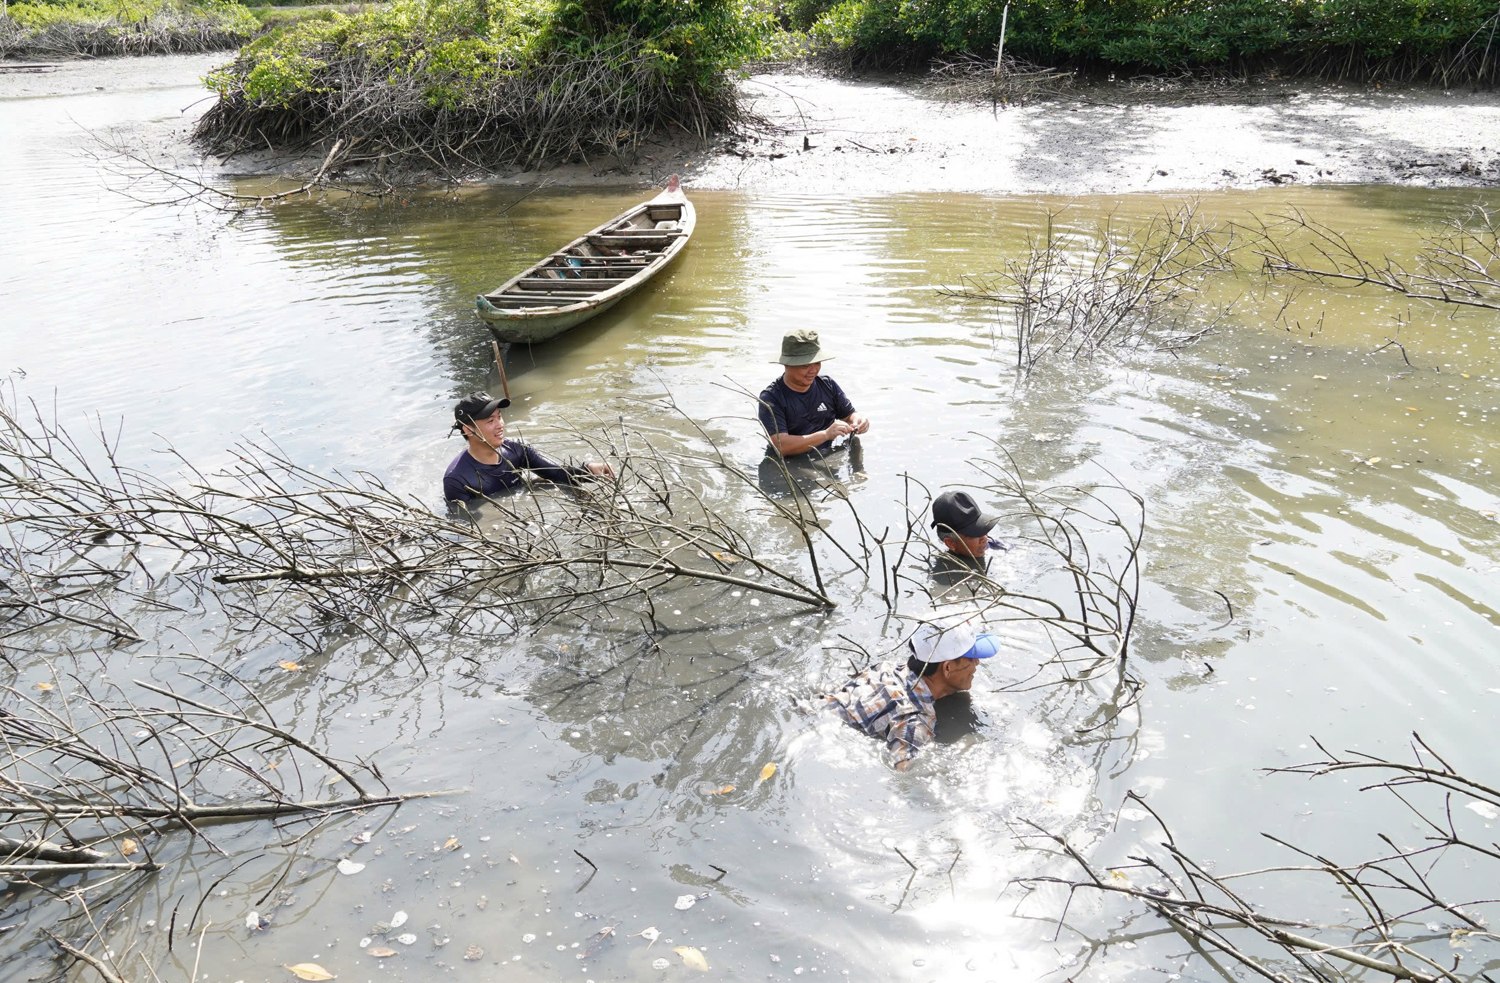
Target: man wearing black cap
962 526
492 465
803 411
964 529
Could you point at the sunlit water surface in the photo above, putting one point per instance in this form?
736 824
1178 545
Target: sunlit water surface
1363 593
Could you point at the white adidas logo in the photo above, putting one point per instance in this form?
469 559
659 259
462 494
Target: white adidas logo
822 407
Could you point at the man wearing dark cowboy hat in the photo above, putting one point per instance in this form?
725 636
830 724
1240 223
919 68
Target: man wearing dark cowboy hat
804 411
492 465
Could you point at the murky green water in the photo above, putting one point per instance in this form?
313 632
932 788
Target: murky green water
1363 593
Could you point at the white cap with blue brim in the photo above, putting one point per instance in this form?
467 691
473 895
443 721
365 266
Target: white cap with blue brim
935 643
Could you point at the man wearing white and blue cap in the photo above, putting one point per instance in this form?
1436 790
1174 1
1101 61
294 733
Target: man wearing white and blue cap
895 703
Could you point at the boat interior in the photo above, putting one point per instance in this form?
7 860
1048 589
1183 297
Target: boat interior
605 258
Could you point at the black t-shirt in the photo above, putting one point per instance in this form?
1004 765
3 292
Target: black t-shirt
784 410
467 480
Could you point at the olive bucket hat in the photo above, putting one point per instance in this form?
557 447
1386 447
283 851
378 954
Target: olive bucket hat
801 347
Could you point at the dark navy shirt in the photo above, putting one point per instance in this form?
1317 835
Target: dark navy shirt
784 410
467 479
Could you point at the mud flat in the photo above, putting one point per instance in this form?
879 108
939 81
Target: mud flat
889 136
869 137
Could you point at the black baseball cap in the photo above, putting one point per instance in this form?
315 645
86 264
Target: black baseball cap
477 406
957 512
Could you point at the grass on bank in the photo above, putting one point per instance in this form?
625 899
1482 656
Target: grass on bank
122 27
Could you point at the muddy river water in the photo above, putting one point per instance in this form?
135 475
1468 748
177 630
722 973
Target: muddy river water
1342 501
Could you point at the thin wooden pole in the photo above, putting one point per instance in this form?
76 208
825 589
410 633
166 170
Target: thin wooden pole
500 364
1000 54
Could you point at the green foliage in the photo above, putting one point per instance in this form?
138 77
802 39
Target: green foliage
1154 35
39 15
284 15
459 49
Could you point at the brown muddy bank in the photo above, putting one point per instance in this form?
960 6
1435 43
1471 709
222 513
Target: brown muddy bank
884 136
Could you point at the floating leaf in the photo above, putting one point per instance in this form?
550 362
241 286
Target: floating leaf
1373 461
452 844
349 867
768 771
685 901
309 971
515 860
649 934
289 666
1484 809
691 957
398 919
722 790
1323 377
44 687
380 951
129 848
592 945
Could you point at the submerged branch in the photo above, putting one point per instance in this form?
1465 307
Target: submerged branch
1390 889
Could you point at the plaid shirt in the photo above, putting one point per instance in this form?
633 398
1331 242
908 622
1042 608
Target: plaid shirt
889 702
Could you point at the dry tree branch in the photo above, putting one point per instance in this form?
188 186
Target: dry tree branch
1079 296
1391 891
1459 264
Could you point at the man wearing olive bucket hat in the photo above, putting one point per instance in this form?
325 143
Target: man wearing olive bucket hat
803 410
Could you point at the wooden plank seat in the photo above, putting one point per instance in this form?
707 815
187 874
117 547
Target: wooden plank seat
656 241
597 284
555 299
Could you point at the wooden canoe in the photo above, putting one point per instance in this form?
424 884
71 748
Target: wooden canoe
592 273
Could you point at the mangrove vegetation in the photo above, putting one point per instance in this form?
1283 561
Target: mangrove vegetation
75 28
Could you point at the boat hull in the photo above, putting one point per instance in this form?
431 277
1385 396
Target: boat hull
541 327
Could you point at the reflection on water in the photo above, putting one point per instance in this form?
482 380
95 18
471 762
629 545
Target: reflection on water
1340 501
